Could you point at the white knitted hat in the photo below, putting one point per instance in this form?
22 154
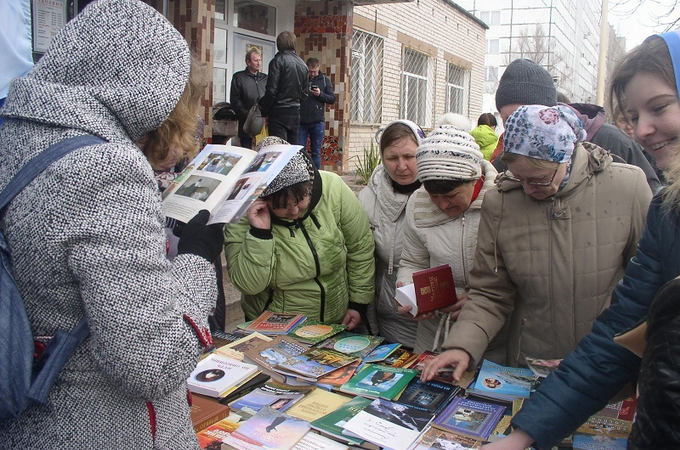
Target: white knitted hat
449 154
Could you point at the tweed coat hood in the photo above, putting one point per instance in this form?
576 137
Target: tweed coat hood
87 236
549 266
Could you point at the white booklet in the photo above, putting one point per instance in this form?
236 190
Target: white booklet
225 180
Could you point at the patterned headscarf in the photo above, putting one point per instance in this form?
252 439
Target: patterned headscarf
542 132
295 171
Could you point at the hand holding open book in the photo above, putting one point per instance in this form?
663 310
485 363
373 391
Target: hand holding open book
432 289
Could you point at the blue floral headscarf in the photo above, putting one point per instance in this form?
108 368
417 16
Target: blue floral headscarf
549 133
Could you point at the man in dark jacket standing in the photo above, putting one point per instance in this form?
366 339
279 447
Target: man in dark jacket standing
313 110
247 87
287 86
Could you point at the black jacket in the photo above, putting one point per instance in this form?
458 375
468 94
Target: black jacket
287 84
313 109
657 424
246 90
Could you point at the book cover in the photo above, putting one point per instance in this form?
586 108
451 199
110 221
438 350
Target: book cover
339 376
315 363
436 439
430 397
312 331
432 289
504 382
389 424
623 409
401 358
602 433
268 354
379 381
542 367
381 352
445 374
222 338
225 180
216 375
358 345
333 423
314 441
205 411
275 395
275 323
212 437
469 417
317 404
268 430
248 386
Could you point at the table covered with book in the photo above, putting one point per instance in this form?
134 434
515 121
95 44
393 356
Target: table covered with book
285 382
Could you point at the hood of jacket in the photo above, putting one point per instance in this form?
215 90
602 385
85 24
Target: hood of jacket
427 214
587 160
100 78
592 117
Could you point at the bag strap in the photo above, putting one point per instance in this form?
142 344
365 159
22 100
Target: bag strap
38 164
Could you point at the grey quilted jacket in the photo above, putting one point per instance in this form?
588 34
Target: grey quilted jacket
87 236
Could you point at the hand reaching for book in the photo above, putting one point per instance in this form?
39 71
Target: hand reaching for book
259 215
457 358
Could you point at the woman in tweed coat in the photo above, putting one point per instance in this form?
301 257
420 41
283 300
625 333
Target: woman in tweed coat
87 234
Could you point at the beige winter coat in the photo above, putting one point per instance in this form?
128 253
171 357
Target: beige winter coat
551 263
431 238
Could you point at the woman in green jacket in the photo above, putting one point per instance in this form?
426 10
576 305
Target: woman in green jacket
305 247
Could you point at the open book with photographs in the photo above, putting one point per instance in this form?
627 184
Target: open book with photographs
225 180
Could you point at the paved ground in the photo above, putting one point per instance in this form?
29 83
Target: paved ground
233 297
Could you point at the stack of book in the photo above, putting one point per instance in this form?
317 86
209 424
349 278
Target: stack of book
217 376
271 323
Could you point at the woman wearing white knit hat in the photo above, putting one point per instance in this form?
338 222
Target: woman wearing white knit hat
442 219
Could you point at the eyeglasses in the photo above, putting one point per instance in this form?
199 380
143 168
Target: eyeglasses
510 176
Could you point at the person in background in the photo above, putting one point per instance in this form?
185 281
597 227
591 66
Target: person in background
287 86
525 82
16 57
384 200
304 247
622 122
553 241
442 219
645 84
485 134
313 110
247 87
95 246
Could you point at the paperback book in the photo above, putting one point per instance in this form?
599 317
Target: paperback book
381 352
504 382
317 404
275 323
205 411
401 358
358 345
216 375
268 354
269 429
602 433
314 363
432 289
212 437
389 424
236 349
542 367
333 423
430 397
275 395
221 338
314 441
312 331
436 439
376 381
225 180
469 417
445 374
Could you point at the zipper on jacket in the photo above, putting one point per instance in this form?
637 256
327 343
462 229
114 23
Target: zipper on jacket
322 291
462 249
516 362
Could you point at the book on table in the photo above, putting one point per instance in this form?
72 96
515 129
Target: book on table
339 376
381 352
333 423
401 358
469 417
313 331
542 367
436 439
276 395
389 424
268 354
237 348
225 180
444 374
358 345
602 433
314 363
317 404
377 381
213 436
314 441
431 396
269 429
275 323
205 411
432 289
504 382
216 375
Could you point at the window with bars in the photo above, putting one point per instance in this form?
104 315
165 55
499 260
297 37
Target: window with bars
366 78
456 89
415 89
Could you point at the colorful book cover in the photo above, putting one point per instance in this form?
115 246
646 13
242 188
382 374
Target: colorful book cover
623 409
379 381
469 417
212 437
401 358
317 404
275 323
431 397
389 424
333 423
315 363
445 374
269 354
381 352
542 367
246 342
339 376
606 427
312 331
278 396
504 382
215 375
436 439
269 429
358 345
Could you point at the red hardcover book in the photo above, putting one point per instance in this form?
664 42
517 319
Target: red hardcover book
432 289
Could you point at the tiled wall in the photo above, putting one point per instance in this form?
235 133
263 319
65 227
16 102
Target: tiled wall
323 31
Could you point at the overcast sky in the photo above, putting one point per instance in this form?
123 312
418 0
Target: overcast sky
637 27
